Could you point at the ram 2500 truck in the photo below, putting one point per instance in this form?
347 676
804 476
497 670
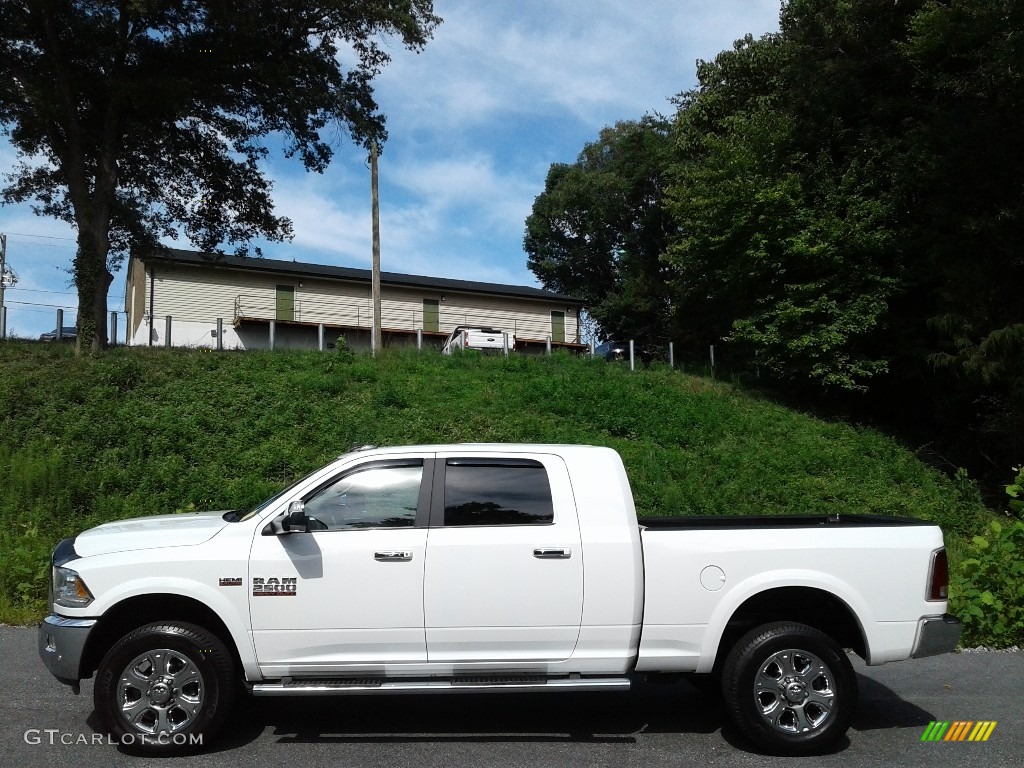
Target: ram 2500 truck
472 568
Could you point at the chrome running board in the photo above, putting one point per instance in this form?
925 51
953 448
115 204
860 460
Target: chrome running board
299 686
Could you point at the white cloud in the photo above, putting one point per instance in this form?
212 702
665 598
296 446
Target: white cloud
596 61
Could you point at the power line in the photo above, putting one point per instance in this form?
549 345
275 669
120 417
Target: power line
44 245
40 290
59 293
43 311
121 311
44 237
36 304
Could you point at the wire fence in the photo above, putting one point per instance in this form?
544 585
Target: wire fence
33 320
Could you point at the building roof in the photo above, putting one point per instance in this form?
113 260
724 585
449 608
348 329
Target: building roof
298 268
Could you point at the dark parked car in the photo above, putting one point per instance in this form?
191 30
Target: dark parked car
614 350
68 333
619 350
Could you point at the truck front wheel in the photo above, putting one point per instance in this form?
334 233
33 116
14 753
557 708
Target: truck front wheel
789 688
165 688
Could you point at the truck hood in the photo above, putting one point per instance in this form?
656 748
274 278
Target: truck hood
150 533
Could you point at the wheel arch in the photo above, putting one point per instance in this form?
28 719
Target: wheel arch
813 606
134 612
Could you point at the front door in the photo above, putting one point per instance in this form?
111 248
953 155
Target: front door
285 303
349 591
558 326
504 575
431 315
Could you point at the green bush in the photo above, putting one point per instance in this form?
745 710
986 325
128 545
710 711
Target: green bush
343 350
987 589
1016 491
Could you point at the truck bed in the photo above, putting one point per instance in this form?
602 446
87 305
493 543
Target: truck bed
704 522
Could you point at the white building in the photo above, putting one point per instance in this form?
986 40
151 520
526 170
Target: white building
293 303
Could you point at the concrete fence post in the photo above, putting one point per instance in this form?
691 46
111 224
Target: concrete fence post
419 339
220 334
60 324
671 355
113 329
632 360
548 344
167 331
273 330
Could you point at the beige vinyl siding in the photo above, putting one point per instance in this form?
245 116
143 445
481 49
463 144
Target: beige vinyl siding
527 319
321 301
193 295
204 294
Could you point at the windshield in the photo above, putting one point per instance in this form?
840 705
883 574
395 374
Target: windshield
240 515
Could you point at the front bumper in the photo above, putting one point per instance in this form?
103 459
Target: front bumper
937 634
61 644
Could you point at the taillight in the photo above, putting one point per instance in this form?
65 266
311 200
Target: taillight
938 582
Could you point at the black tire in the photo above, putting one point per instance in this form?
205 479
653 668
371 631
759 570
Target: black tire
165 688
789 688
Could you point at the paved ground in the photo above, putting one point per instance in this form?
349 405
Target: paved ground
651 726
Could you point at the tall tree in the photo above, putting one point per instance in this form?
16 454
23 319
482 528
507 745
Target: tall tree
964 181
136 117
782 196
598 230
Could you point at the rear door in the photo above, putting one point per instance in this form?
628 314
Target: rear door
504 571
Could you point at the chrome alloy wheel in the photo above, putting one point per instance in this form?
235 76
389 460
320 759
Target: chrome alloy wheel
794 691
160 692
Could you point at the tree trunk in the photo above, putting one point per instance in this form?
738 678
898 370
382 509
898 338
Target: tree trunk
93 280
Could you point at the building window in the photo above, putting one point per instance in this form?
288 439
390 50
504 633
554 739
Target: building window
558 326
285 302
431 315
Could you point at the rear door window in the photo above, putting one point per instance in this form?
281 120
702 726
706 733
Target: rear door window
497 492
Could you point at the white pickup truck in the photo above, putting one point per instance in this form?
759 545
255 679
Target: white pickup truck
482 339
471 568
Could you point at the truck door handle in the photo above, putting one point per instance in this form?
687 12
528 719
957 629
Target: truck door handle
552 554
393 556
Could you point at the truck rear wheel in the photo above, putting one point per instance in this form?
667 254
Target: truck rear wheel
165 688
789 688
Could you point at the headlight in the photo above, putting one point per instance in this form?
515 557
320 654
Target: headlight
69 590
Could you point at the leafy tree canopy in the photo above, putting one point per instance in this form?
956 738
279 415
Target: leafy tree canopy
843 203
599 227
139 117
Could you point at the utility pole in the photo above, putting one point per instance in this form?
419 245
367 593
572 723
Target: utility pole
3 282
375 334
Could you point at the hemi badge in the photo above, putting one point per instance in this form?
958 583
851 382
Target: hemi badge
231 582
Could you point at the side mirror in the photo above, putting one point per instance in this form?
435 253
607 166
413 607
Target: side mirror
296 520
292 521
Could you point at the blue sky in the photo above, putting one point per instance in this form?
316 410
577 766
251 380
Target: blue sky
475 120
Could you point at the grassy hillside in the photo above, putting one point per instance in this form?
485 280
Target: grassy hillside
143 431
